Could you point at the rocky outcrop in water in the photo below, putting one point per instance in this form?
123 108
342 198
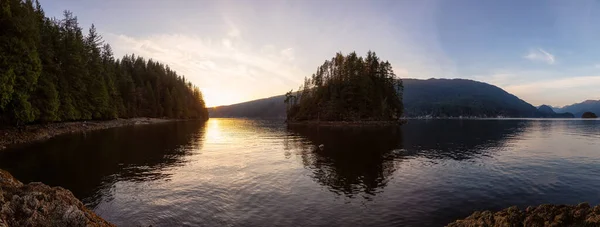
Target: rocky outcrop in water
37 204
543 215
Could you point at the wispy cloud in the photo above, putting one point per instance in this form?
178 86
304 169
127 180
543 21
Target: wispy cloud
540 55
227 69
547 87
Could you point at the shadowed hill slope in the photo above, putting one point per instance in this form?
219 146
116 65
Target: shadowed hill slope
579 108
432 97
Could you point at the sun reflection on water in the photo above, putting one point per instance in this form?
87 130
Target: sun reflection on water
214 132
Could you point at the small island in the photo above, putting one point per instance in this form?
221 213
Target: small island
348 90
589 115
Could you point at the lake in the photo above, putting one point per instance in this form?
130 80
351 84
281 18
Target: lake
236 172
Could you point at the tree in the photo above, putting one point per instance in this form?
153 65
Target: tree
348 88
50 71
20 65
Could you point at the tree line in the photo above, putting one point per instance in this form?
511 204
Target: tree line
348 88
50 71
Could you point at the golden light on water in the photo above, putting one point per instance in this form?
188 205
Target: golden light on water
214 133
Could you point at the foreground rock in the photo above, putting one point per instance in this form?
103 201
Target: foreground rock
37 204
543 215
31 133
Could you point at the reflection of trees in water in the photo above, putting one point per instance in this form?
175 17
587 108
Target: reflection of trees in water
361 160
354 160
89 164
458 139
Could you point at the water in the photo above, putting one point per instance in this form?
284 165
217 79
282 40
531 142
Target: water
231 172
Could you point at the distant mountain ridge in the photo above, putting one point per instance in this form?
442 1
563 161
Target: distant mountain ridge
579 108
461 97
549 112
422 98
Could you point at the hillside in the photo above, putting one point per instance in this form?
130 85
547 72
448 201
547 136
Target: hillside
433 97
548 111
459 97
268 108
579 108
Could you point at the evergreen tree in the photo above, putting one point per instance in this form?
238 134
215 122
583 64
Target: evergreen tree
348 88
20 65
50 71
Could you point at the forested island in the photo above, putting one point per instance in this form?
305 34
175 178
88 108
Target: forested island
51 72
348 89
589 115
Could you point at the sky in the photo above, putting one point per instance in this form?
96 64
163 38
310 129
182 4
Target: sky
545 52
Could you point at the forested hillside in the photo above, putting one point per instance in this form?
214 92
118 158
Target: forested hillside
50 71
460 97
268 108
348 88
432 97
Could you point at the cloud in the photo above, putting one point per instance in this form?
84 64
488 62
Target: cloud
227 69
540 55
554 88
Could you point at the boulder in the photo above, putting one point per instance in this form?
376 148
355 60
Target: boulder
37 204
543 215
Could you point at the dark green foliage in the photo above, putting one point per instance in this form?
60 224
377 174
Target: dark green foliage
348 88
50 71
589 115
20 64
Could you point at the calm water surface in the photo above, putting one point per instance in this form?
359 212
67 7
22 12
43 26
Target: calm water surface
232 172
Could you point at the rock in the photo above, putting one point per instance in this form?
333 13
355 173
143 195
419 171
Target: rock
543 215
37 204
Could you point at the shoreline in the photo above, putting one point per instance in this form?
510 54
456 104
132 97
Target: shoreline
13 136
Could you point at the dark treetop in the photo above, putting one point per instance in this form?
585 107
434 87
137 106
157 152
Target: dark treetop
589 115
50 71
348 88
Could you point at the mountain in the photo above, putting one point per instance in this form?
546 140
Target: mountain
432 97
579 108
548 111
266 108
460 97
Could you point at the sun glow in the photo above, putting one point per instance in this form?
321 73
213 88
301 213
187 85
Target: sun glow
214 134
219 97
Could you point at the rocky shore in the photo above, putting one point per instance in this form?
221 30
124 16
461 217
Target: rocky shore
37 204
543 215
32 133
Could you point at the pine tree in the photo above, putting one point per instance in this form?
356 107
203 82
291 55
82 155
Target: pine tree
349 88
50 71
20 65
